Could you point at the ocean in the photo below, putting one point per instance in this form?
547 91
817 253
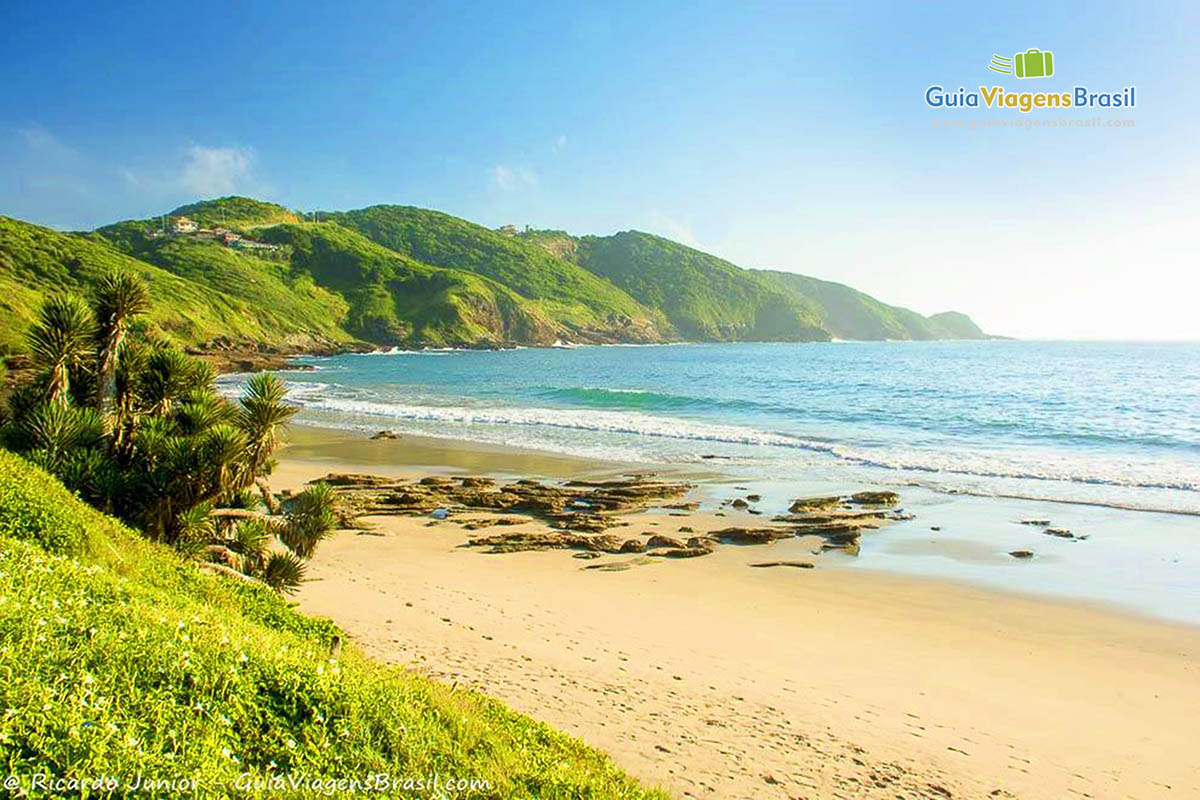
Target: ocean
1106 435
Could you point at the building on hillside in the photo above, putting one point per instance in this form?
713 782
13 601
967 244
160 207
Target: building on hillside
183 225
229 237
246 244
508 230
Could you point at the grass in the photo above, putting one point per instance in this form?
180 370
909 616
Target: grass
704 297
119 659
563 290
35 261
395 299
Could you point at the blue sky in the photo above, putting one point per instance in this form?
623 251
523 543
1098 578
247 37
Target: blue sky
788 135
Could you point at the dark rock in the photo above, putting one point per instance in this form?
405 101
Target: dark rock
587 554
754 498
1042 522
385 435
663 541
435 480
684 552
814 504
1021 553
875 498
686 529
739 503
476 483
750 535
633 546
796 564
1061 533
354 479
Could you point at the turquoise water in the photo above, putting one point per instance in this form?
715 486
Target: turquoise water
1095 422
1100 438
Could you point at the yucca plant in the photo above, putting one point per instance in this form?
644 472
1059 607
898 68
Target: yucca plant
283 572
120 298
251 539
260 414
61 341
309 520
194 530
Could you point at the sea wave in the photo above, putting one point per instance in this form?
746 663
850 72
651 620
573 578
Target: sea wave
886 457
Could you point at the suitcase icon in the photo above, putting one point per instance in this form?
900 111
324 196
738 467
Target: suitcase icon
1034 63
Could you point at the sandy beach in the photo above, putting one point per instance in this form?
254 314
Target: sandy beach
715 679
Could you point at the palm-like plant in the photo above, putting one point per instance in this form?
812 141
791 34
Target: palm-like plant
52 431
61 341
309 520
120 298
169 375
283 572
261 413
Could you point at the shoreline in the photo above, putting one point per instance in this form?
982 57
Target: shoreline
965 523
718 680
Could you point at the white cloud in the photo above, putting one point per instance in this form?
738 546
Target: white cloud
560 143
507 178
45 143
673 229
212 171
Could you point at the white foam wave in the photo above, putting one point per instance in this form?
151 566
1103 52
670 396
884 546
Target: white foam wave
1029 466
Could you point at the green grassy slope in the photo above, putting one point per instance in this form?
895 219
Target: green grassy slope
395 299
119 659
703 296
850 314
240 213
290 298
35 261
392 275
575 297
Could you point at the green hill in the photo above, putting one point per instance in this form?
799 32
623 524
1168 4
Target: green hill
120 659
241 213
704 297
201 304
394 299
849 314
589 306
397 275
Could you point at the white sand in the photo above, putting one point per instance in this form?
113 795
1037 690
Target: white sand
717 680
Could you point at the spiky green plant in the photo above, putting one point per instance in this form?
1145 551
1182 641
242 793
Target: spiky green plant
309 520
61 341
120 298
283 572
262 412
195 530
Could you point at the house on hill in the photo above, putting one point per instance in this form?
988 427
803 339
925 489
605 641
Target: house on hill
183 225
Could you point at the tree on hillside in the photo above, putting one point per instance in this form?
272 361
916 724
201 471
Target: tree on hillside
136 428
60 343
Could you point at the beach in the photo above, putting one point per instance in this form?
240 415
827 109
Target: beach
715 679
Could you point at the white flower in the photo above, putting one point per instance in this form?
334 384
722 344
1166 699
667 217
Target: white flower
291 743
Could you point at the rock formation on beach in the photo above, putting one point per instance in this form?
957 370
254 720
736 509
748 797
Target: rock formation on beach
579 514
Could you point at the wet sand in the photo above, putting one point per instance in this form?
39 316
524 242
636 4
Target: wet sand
715 679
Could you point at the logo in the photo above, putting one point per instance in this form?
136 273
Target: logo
1033 63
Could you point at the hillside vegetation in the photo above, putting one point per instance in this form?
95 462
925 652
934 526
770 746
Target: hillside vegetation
397 275
849 314
395 299
583 301
704 297
36 262
120 659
